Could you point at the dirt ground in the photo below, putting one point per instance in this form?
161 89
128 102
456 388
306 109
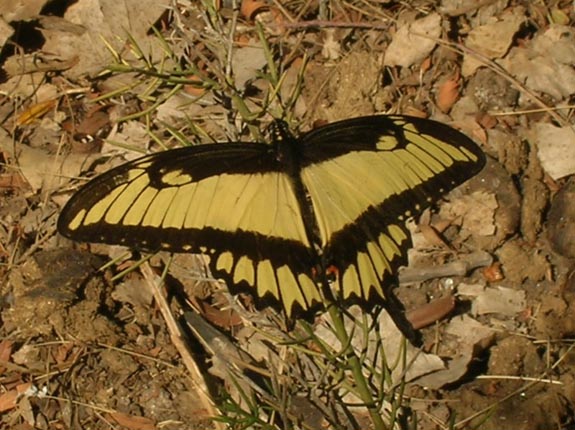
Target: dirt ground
85 347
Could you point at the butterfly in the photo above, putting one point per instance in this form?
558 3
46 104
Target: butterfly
293 222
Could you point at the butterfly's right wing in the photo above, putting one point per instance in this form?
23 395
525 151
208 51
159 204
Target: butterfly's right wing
231 202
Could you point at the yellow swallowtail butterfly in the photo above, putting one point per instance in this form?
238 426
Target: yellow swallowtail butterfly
275 218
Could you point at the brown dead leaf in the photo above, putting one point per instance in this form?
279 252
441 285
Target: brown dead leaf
6 349
250 8
133 291
132 422
421 363
431 312
9 399
6 32
224 318
93 122
5 353
426 65
492 40
448 94
471 338
392 341
13 181
132 134
472 128
35 112
486 121
62 352
42 171
546 65
493 272
413 111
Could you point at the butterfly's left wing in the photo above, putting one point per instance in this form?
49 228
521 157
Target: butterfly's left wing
365 177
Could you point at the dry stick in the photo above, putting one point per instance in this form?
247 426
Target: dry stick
155 283
333 24
455 268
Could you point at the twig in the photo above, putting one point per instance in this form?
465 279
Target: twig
455 268
155 283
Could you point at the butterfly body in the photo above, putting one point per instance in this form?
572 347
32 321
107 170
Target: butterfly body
275 218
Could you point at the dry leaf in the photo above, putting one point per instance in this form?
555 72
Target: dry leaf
247 62
44 172
331 48
471 337
492 40
9 399
420 363
556 149
432 237
132 134
547 64
5 350
250 8
35 112
133 291
431 312
6 32
493 273
413 42
23 10
558 43
109 21
541 73
133 422
476 211
448 94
